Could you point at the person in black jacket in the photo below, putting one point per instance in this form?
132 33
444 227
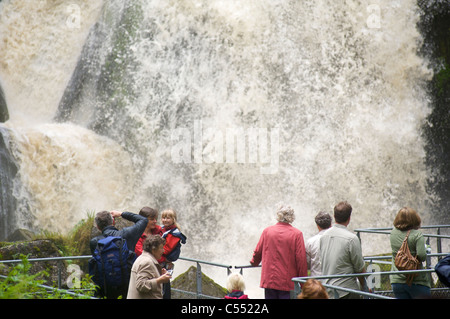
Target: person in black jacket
105 222
442 269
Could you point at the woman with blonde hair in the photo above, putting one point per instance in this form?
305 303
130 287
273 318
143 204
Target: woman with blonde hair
407 223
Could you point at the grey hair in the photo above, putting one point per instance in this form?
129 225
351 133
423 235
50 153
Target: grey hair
285 214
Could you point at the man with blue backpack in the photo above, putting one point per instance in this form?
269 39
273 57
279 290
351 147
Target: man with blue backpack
113 253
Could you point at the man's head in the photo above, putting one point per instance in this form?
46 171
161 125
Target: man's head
342 212
323 220
103 219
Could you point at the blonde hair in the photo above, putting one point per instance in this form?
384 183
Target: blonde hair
235 282
171 214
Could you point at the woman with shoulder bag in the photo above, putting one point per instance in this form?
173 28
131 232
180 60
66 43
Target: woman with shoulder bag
407 223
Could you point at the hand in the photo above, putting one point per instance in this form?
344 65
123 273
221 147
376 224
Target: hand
165 277
115 213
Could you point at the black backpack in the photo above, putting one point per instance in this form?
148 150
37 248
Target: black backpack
110 266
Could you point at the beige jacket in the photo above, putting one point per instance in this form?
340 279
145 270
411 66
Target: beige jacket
144 273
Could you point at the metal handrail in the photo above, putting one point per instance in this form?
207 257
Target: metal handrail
298 280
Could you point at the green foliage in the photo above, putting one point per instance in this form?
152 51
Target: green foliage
74 243
442 80
19 284
80 236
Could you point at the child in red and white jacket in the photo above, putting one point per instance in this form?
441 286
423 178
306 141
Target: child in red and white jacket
174 238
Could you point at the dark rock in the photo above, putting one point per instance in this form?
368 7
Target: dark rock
41 248
20 235
4 114
12 209
8 171
187 281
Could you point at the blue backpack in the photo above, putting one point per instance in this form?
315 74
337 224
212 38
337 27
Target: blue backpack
111 264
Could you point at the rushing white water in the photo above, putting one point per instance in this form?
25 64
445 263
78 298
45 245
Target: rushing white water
339 81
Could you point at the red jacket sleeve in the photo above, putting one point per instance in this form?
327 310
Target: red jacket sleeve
171 242
257 253
139 245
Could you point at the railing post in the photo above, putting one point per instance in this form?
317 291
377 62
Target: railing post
199 280
438 243
59 274
336 294
297 288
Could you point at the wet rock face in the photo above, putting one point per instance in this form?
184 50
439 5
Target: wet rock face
435 28
8 170
4 114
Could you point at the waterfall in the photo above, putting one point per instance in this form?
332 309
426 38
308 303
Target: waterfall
220 110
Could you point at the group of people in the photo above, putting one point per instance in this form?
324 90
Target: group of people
147 273
281 250
334 250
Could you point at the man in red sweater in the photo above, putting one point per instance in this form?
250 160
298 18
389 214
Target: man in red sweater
281 249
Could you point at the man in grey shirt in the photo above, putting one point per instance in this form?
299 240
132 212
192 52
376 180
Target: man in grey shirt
341 253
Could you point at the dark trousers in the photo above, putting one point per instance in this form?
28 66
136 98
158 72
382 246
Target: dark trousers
276 294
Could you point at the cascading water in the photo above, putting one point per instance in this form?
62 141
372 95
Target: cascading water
220 110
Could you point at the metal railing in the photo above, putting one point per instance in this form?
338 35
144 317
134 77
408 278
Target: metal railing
363 293
387 231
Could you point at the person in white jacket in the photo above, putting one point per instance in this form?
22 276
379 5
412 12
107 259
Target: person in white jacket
323 222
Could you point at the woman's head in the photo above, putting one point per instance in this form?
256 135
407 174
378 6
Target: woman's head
148 212
154 245
285 214
406 219
151 214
